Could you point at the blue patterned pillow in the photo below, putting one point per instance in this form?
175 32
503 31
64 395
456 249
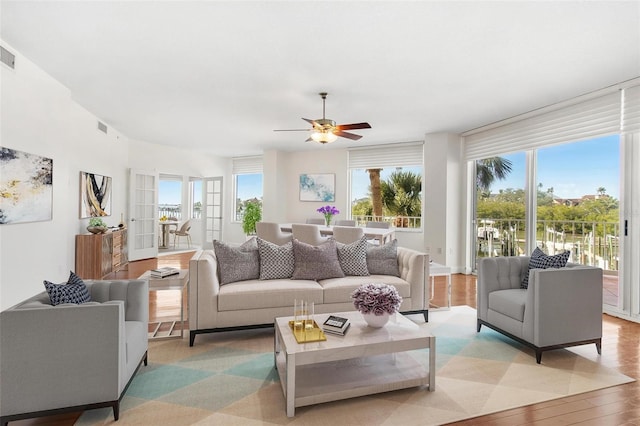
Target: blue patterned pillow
539 260
73 291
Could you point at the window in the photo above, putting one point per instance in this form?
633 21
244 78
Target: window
247 182
170 197
386 184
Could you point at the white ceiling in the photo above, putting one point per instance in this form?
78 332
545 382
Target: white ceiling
221 76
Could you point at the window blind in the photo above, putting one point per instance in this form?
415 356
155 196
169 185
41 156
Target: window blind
631 110
398 155
599 116
247 165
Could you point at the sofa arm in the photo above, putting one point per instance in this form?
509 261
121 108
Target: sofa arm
413 266
204 287
59 356
563 305
134 294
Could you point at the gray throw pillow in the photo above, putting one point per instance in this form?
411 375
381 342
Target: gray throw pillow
276 262
237 263
353 257
383 260
539 260
316 262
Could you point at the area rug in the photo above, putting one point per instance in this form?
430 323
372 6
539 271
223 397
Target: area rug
229 379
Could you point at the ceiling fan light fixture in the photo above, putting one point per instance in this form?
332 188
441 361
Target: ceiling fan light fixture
324 137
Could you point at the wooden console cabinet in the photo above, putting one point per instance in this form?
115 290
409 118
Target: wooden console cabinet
98 255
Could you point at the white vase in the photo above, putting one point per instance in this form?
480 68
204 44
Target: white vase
376 321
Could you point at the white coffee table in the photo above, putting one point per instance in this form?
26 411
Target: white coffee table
364 361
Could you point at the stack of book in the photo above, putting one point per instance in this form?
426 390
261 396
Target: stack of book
336 325
164 272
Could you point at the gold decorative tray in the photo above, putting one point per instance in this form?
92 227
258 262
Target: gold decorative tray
314 334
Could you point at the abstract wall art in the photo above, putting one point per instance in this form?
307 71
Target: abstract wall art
95 195
26 187
318 187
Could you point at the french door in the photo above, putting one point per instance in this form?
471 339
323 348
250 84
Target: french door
143 214
211 210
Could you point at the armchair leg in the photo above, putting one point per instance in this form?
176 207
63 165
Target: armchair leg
116 410
479 325
146 358
538 356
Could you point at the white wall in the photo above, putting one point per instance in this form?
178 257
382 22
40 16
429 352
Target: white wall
38 116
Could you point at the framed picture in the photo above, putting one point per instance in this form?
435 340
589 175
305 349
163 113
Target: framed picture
95 195
318 187
26 185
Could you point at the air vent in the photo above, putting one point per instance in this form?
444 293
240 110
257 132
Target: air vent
102 127
7 58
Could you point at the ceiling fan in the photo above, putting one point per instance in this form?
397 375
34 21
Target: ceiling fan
326 130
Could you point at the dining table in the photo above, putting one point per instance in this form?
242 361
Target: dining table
165 225
382 235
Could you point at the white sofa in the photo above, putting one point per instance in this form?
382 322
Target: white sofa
255 303
70 357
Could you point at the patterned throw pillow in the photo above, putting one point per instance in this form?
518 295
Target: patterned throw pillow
316 262
353 257
73 291
539 260
383 260
276 262
237 263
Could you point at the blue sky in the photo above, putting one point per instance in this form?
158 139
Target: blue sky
573 170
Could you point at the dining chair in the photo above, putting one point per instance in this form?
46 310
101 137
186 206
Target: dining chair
384 225
315 221
347 234
308 233
270 231
345 222
182 232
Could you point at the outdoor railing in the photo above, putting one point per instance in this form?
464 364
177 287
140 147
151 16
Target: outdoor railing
176 212
398 222
594 243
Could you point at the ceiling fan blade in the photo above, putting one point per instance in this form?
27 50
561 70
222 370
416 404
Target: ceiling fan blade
347 135
353 126
292 130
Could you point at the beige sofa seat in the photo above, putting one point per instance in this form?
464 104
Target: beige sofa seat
256 303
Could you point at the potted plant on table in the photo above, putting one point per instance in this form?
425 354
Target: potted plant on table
376 302
97 226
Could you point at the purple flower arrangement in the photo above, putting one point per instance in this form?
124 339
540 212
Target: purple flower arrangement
377 299
328 212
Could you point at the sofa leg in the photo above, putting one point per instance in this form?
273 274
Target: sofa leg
146 358
116 410
538 356
192 338
426 315
599 346
479 325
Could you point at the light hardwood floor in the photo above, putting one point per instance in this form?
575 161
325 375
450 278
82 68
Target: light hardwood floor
618 405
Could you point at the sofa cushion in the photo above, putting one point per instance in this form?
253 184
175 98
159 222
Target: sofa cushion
383 259
276 262
338 290
539 260
251 294
237 263
353 257
509 302
316 262
73 291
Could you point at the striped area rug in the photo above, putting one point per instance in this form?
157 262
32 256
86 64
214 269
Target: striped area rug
229 379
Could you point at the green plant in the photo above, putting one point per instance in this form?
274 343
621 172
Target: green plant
96 221
252 215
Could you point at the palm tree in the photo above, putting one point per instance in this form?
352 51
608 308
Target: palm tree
401 196
376 194
490 169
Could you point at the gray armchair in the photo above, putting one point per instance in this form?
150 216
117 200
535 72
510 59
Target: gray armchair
70 357
562 306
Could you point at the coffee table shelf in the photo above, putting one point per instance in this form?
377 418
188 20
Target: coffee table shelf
363 362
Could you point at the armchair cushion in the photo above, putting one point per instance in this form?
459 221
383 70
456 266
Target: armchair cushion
509 302
73 291
539 260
